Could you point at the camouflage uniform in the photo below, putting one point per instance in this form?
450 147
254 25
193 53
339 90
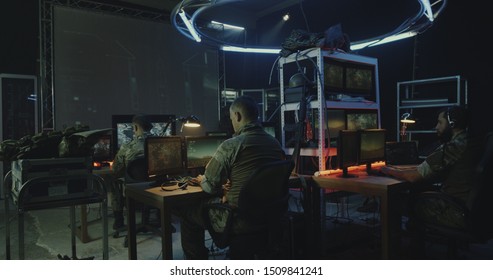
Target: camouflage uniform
235 159
126 153
453 164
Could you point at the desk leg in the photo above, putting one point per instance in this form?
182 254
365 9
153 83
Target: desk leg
391 215
166 238
20 226
319 228
132 230
395 223
73 231
7 227
384 216
105 230
81 230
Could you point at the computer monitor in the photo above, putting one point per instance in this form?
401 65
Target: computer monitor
336 121
123 131
399 153
102 149
371 147
361 119
360 79
200 149
347 151
270 127
349 78
164 156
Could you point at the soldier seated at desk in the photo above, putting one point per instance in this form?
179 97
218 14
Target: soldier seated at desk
141 128
451 165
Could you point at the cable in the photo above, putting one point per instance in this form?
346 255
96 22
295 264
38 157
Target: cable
272 69
275 111
304 16
304 54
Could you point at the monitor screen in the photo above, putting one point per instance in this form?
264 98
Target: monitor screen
270 127
397 153
334 75
336 121
347 150
371 145
359 79
102 149
164 156
361 119
123 131
349 78
200 149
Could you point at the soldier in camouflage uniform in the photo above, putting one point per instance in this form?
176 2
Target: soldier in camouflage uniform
227 172
141 127
452 165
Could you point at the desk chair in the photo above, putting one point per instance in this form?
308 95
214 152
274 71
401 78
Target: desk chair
136 171
476 211
263 203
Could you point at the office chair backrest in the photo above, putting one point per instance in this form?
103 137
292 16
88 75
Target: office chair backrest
480 202
265 197
136 170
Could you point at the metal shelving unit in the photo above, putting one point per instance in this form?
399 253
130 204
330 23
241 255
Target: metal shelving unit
312 62
423 98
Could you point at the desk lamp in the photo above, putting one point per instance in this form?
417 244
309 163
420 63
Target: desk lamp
190 121
406 119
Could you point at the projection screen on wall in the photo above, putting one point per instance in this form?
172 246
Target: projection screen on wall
110 64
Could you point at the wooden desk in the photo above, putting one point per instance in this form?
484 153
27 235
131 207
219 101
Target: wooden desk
163 200
384 187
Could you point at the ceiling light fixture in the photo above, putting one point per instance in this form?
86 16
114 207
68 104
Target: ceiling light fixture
249 50
189 25
413 26
428 12
230 26
392 38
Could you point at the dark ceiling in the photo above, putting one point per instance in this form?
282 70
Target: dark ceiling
165 5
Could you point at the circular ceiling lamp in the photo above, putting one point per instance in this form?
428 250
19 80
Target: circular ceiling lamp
192 18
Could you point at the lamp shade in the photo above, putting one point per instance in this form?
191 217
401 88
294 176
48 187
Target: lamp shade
407 118
297 80
190 121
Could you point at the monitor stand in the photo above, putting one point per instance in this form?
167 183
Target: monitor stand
372 172
345 174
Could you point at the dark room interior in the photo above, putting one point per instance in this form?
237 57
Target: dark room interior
86 62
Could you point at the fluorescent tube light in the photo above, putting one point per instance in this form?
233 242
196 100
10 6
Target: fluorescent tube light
384 40
396 38
360 46
189 26
228 25
428 11
249 50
